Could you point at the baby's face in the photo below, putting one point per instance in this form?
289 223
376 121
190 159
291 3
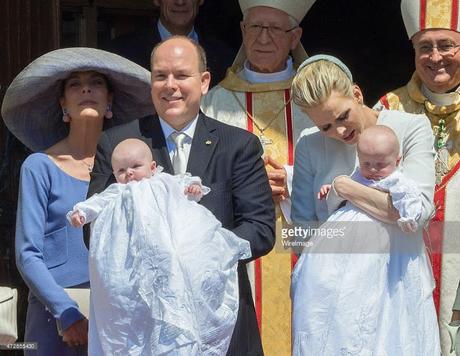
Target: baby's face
377 166
127 169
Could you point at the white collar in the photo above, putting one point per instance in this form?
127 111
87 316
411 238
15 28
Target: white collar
189 129
257 78
442 99
165 34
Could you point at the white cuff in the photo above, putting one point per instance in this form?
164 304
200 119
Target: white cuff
289 174
285 206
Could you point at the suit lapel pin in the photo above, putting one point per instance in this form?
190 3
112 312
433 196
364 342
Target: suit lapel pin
208 142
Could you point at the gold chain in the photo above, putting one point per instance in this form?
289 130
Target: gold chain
88 165
252 118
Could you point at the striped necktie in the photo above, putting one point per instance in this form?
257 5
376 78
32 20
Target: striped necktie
179 159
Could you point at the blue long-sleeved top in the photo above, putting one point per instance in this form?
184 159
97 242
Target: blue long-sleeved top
50 253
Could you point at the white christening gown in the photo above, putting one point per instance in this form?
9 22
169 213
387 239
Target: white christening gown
163 272
368 290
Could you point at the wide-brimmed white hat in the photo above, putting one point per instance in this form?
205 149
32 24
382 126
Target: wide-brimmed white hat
297 9
419 15
31 108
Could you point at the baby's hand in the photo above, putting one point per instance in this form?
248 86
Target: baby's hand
408 227
77 220
323 191
194 191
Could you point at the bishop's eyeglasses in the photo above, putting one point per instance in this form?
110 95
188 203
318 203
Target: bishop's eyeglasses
445 49
274 31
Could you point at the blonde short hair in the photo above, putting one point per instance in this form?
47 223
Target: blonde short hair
314 83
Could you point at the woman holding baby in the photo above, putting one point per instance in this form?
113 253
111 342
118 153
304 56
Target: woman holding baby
338 306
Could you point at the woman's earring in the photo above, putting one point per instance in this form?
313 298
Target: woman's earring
65 115
109 113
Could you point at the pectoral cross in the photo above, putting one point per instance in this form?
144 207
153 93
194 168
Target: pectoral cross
441 164
265 141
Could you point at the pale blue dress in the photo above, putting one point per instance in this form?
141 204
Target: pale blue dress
50 254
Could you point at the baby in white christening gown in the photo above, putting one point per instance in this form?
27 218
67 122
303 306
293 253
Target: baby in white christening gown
163 271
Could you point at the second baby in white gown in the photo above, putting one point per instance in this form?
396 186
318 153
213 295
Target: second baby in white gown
367 291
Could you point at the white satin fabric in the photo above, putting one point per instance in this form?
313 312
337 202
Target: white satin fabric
163 274
368 291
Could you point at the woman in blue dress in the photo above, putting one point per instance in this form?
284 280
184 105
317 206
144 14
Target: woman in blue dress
58 106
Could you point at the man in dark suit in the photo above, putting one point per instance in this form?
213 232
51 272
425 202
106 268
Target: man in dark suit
228 160
176 18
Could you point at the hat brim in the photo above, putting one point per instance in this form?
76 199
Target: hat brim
31 108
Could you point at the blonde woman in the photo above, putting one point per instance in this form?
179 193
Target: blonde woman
339 309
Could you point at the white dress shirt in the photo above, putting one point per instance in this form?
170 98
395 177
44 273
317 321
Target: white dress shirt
165 34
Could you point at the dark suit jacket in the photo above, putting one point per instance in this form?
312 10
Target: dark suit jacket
228 160
138 46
